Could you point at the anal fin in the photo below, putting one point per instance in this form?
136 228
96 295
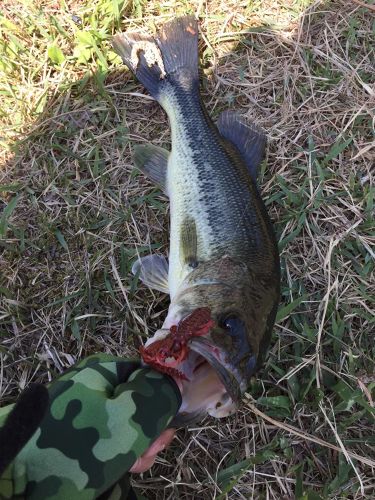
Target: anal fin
153 162
249 139
153 271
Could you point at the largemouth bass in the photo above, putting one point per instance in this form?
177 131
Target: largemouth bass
223 254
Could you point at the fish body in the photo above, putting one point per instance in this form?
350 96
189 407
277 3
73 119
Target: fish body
223 252
208 183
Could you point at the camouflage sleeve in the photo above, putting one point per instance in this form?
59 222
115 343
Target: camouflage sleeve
103 414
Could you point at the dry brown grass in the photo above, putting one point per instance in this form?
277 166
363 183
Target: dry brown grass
305 73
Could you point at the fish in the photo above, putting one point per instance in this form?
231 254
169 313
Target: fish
223 255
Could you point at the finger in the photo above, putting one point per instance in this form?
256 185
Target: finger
146 461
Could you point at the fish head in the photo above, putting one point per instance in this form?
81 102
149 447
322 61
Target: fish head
243 306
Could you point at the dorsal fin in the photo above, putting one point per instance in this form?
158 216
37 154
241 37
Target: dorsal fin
153 162
249 139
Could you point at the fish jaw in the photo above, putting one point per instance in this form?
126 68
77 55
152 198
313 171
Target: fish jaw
205 380
203 394
203 391
229 376
202 380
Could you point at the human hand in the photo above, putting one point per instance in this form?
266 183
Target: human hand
147 460
103 413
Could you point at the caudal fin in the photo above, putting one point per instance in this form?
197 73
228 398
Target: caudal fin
171 58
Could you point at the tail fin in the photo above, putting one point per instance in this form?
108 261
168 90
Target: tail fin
170 58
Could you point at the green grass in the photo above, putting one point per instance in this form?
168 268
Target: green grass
75 215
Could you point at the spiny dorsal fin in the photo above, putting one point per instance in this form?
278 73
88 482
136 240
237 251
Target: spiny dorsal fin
153 271
249 139
188 242
153 162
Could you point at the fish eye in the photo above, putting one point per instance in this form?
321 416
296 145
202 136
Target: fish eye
232 323
236 329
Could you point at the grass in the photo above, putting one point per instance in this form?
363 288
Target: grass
75 215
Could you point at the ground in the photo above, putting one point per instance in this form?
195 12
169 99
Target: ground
75 215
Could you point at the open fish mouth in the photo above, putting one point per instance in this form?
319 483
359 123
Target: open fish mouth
216 358
208 381
210 386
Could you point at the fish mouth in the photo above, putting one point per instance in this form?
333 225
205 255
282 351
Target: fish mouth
215 387
216 358
209 378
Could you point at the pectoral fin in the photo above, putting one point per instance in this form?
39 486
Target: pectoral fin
249 139
153 272
188 242
153 162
